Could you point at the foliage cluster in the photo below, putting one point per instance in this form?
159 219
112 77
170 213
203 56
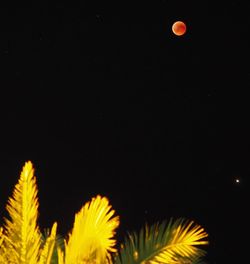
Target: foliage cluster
92 238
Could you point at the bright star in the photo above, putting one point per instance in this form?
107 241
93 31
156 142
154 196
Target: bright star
237 180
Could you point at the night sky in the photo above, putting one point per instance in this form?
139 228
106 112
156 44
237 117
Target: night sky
104 99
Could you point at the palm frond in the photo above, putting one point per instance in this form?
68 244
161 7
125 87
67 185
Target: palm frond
1 236
59 243
60 254
22 236
172 242
92 237
49 246
2 258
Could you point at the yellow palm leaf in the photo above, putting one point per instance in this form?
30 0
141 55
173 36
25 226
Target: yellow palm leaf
22 236
92 237
46 253
60 254
1 236
183 242
2 258
165 243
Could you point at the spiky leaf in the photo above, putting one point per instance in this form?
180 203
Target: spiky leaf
58 243
166 243
48 248
92 237
22 236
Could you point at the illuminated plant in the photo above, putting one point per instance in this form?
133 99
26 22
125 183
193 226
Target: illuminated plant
92 239
21 241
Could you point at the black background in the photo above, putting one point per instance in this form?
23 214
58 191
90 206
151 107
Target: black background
104 99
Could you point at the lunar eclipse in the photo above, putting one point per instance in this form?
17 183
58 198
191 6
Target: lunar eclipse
179 28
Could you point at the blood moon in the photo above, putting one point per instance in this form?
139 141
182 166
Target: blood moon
179 28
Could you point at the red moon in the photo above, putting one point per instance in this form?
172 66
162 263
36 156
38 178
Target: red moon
179 28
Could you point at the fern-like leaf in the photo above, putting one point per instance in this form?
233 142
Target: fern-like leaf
166 243
2 253
22 236
58 243
92 237
48 248
60 254
1 236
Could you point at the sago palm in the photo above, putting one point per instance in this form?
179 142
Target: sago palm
173 242
92 239
59 243
20 238
21 242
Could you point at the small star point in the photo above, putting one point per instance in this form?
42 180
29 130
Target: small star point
237 180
